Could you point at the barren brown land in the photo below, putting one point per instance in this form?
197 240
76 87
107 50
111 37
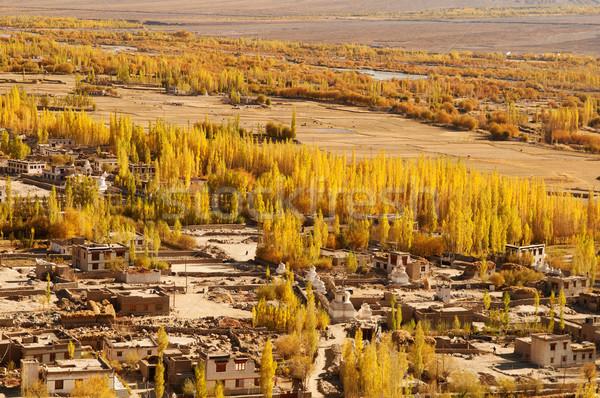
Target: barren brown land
341 128
315 21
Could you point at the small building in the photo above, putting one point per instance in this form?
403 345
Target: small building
590 300
536 251
437 314
139 276
128 350
387 261
17 166
44 346
142 170
128 238
443 293
545 349
338 257
64 246
142 302
105 164
99 256
237 372
60 378
59 173
58 142
417 270
572 286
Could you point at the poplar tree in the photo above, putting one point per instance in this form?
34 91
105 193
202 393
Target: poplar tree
267 370
419 342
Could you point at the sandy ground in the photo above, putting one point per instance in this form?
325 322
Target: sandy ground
238 244
196 305
367 132
21 189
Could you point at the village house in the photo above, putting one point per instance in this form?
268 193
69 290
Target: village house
59 173
338 257
545 349
139 276
60 378
64 246
238 373
142 302
387 261
128 350
128 238
105 164
143 171
417 270
436 314
58 142
17 166
590 300
536 251
572 286
44 346
99 256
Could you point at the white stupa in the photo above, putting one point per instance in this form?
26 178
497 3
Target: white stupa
341 309
365 313
399 276
311 275
318 286
281 268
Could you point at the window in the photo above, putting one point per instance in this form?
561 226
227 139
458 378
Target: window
119 353
590 355
564 359
553 347
221 366
159 307
239 383
574 283
132 307
94 266
575 357
422 269
583 283
52 357
240 365
552 360
58 384
565 345
95 256
145 307
149 352
257 382
566 285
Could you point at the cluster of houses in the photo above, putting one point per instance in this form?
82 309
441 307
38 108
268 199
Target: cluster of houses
60 360
573 346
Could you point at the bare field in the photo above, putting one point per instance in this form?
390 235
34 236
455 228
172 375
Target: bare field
342 128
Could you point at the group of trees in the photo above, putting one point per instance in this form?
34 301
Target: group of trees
456 81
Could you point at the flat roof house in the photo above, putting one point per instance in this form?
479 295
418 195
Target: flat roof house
536 251
142 302
60 378
387 261
545 349
44 346
571 285
99 256
17 166
237 372
127 350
